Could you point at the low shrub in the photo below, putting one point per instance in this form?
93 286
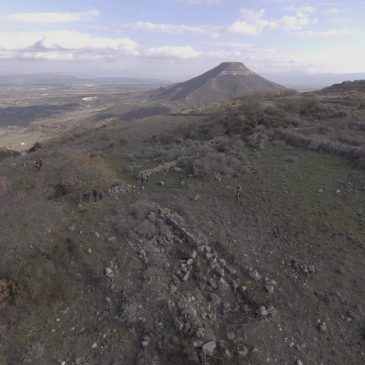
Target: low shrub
35 147
6 153
77 172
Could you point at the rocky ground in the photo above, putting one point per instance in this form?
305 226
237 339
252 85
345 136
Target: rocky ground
177 271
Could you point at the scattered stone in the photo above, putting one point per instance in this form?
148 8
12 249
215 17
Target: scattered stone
162 183
231 270
220 271
145 260
109 272
194 255
254 275
190 262
189 311
196 197
142 252
200 333
111 239
97 234
94 345
299 362
146 341
228 354
270 285
301 266
243 352
209 348
186 276
223 285
235 285
272 311
212 283
230 336
322 326
269 288
215 299
261 311
197 343
178 324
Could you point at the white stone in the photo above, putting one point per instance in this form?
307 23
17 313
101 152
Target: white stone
209 348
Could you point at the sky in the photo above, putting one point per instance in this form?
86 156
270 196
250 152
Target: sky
175 39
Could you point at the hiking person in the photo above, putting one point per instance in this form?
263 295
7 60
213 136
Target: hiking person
38 164
182 179
238 192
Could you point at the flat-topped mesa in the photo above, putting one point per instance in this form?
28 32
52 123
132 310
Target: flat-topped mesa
228 80
234 68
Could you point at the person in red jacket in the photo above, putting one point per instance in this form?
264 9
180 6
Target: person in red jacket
38 164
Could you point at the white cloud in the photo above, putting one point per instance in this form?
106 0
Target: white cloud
325 33
51 17
299 19
252 23
72 45
183 52
173 28
292 22
62 40
243 27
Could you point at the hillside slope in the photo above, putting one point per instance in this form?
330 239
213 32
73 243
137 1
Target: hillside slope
177 270
226 81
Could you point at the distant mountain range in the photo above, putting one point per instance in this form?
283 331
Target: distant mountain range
226 81
55 79
244 81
